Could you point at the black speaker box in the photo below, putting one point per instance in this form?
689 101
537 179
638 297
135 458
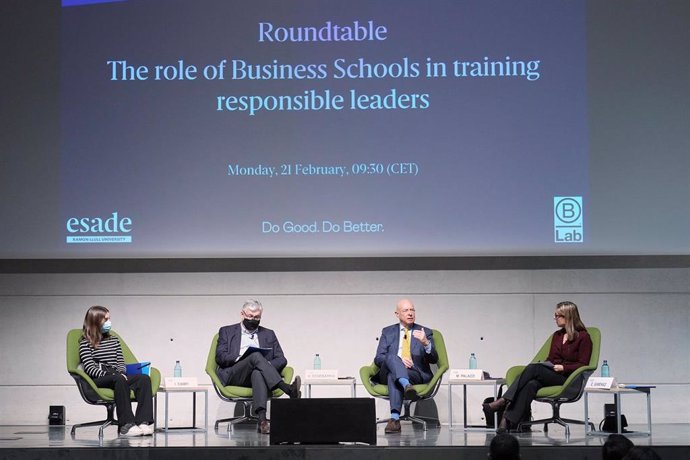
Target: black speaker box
323 420
56 415
609 410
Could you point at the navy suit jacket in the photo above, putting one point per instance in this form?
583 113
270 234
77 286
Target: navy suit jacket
390 340
229 341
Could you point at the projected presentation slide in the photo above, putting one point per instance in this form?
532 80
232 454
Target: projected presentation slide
264 128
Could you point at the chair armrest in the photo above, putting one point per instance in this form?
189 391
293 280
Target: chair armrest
287 374
214 377
513 373
365 374
83 375
435 380
87 387
155 376
576 373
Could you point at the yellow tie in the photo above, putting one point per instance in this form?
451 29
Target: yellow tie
406 345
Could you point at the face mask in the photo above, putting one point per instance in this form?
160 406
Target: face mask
106 327
250 324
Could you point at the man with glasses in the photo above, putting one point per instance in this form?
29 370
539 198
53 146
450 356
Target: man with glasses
250 355
403 356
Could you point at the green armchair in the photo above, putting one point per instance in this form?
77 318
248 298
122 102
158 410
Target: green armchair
571 391
425 390
88 389
236 394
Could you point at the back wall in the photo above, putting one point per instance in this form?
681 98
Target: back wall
503 316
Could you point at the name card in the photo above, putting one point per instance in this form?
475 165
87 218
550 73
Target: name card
601 383
321 374
466 374
180 382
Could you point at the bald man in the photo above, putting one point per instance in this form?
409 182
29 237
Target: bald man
405 351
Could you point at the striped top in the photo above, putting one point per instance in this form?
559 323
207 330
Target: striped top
108 352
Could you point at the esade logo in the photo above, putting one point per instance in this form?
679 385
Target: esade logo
98 230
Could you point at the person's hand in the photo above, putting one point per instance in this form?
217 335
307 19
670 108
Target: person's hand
558 367
420 334
407 362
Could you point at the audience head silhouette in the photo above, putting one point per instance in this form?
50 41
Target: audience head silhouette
504 446
615 447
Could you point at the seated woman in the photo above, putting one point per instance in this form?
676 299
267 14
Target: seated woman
571 348
101 355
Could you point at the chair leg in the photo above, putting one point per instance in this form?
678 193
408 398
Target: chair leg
555 418
436 422
409 417
101 423
246 416
415 420
406 416
578 422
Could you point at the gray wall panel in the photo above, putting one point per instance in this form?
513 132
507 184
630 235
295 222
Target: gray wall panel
503 316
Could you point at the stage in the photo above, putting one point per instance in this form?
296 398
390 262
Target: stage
671 441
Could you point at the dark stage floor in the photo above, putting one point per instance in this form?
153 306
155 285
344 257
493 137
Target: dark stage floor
672 441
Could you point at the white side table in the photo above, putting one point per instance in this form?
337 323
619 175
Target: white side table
348 381
496 383
617 394
194 391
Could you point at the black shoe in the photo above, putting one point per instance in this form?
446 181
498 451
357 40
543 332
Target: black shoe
495 406
524 429
411 393
296 388
504 426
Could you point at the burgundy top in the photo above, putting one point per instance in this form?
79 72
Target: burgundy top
572 355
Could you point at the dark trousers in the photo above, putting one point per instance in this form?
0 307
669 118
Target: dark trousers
523 391
141 385
254 371
393 369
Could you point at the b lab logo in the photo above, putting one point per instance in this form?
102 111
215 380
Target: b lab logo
567 219
99 230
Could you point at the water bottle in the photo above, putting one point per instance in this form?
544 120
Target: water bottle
605 371
317 361
178 369
473 361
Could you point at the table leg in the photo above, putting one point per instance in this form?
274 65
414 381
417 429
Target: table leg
166 411
649 412
617 399
495 413
206 410
464 405
155 411
193 409
450 406
586 414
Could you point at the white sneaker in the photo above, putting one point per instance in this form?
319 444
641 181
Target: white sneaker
130 430
146 429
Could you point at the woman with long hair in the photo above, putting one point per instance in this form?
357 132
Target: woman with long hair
101 355
571 348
